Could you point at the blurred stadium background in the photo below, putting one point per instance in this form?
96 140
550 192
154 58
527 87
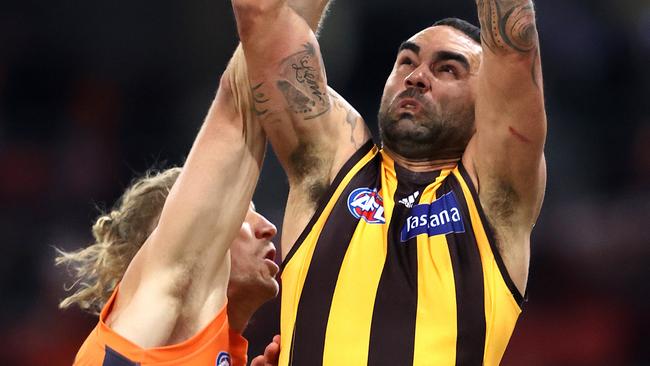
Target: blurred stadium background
94 93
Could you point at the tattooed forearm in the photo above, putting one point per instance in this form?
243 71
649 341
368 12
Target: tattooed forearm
302 83
259 99
350 116
508 25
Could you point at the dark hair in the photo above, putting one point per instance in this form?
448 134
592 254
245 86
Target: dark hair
468 28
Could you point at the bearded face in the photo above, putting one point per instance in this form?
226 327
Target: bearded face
427 109
419 128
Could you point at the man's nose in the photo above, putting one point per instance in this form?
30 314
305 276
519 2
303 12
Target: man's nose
419 79
264 229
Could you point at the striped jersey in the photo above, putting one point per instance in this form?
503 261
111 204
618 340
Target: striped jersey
396 268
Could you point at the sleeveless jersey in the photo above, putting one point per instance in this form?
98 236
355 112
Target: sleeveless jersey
215 345
396 268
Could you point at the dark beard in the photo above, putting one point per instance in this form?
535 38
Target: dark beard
436 132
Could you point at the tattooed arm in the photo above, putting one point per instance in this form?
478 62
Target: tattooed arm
313 130
506 154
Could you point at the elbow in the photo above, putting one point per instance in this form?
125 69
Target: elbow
247 8
249 13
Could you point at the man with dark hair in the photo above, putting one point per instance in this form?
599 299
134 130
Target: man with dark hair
415 252
466 27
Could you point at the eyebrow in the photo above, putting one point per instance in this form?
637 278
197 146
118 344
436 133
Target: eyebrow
448 55
408 45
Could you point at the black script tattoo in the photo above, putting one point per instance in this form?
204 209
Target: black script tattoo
302 83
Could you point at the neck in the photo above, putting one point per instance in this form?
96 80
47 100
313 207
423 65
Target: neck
424 165
240 311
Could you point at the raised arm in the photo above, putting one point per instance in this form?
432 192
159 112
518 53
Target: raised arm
313 131
184 264
207 205
204 211
506 155
221 172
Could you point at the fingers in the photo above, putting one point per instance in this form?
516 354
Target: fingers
271 354
258 361
272 351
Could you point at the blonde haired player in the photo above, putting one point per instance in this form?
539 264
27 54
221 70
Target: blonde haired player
160 270
169 245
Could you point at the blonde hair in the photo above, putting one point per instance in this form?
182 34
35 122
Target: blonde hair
119 234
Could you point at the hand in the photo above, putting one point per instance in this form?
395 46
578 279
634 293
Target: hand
271 354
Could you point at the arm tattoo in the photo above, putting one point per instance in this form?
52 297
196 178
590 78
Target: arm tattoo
258 100
508 25
302 83
350 117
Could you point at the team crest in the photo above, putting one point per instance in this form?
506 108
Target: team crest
223 359
365 203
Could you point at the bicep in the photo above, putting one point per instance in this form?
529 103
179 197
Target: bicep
290 97
510 116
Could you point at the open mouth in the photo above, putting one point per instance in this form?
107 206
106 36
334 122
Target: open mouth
270 254
269 259
409 104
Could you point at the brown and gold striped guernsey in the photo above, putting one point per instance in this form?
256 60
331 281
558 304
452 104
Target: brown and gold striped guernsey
396 268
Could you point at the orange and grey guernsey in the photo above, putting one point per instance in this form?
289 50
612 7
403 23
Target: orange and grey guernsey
216 345
396 268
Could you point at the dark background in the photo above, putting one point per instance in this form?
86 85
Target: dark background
94 93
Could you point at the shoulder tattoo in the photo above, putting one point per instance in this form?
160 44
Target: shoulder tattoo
508 24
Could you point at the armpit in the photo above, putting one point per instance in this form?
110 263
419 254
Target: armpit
310 170
500 203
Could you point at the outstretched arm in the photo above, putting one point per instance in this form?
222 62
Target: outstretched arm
313 131
204 211
506 154
212 194
184 264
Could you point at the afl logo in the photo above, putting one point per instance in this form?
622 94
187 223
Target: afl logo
365 203
223 359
